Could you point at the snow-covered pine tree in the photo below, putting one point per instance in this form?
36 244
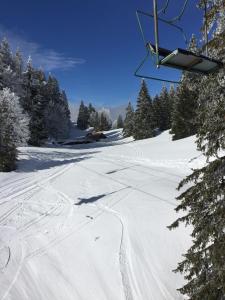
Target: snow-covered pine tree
128 127
17 68
34 102
13 129
6 54
18 63
204 199
8 76
27 99
144 120
83 117
57 115
120 123
43 101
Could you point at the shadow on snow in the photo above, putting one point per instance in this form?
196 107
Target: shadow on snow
40 160
96 198
89 200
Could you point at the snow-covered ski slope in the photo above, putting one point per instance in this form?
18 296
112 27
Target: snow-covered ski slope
90 222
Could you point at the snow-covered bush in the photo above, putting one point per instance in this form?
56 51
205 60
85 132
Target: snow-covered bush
13 129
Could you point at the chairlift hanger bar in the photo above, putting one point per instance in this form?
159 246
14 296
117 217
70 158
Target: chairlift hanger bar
140 12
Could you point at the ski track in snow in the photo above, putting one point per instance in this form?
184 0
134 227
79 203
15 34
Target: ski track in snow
39 205
5 254
36 187
15 276
79 226
124 264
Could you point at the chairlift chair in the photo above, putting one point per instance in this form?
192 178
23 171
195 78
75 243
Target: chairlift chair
186 60
179 58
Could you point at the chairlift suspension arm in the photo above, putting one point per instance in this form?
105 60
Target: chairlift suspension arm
139 12
156 31
206 28
178 18
163 10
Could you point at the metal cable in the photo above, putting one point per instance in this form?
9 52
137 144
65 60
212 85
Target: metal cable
178 18
163 10
140 28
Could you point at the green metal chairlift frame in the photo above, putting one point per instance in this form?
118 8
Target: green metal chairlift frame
179 58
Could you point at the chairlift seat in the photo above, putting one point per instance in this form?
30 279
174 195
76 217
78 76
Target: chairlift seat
187 60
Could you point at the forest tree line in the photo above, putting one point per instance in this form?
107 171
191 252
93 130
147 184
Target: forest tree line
32 106
100 120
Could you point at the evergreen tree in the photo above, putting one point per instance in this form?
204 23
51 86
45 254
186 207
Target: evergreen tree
144 119
57 117
162 107
17 68
128 127
38 131
8 76
104 120
165 121
6 54
94 120
184 115
120 123
18 63
41 99
83 117
204 199
65 123
172 96
35 103
91 109
27 99
13 129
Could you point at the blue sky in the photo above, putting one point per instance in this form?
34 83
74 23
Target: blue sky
91 46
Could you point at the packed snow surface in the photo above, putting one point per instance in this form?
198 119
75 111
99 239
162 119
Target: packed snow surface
89 222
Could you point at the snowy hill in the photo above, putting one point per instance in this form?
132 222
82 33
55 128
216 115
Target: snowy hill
90 222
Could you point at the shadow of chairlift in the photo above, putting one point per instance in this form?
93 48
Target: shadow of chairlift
179 58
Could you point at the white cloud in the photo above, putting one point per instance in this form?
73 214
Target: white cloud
47 59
